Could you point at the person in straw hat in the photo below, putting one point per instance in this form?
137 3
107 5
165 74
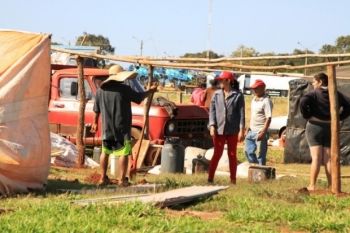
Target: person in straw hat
113 102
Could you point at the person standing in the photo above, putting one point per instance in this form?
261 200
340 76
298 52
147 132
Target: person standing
113 102
226 123
198 95
261 114
315 107
209 92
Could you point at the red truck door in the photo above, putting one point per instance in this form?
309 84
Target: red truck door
64 108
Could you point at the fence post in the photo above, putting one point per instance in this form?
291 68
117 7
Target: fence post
81 122
335 129
180 97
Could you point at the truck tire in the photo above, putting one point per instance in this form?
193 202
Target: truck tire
135 133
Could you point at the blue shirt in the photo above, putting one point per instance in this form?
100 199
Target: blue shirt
227 115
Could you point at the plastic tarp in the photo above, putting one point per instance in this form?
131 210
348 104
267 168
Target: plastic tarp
297 149
24 128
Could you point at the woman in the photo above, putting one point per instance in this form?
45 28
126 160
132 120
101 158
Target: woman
226 123
315 108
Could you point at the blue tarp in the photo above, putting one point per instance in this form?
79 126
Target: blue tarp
170 74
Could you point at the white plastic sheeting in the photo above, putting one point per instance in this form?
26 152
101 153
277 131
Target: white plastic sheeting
24 128
65 153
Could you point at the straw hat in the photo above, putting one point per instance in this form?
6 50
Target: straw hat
117 73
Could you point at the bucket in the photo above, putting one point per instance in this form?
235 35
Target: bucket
113 161
96 154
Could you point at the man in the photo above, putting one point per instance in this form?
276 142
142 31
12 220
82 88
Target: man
257 135
209 92
198 95
113 101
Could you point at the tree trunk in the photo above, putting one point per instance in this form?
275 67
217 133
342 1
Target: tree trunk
335 129
81 124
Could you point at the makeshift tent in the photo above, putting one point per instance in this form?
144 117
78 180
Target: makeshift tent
297 149
24 128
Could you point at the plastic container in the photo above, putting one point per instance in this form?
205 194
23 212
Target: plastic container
173 156
96 154
114 170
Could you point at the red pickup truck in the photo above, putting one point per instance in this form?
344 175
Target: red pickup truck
189 124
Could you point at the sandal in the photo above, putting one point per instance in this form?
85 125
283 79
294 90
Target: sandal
125 182
104 182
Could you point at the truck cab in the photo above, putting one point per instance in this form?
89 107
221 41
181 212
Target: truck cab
189 124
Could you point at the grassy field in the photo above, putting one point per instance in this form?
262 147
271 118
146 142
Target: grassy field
273 206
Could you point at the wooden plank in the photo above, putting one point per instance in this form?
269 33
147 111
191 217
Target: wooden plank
163 199
142 152
158 153
335 129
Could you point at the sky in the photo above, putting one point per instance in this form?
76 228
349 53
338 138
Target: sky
172 28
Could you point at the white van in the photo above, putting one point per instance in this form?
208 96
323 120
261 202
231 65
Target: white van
275 85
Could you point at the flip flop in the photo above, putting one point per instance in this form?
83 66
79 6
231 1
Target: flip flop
104 182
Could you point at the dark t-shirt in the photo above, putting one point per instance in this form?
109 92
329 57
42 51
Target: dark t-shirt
316 104
113 101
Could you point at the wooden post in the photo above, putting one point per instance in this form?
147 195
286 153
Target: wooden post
335 129
81 122
149 84
180 97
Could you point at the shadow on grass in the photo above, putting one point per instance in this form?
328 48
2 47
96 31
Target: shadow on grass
58 186
190 204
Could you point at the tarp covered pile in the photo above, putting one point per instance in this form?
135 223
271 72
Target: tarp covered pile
297 149
24 129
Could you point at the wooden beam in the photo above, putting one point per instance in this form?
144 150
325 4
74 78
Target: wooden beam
146 107
223 63
221 59
335 129
81 123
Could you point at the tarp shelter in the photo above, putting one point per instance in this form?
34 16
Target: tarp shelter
24 129
297 149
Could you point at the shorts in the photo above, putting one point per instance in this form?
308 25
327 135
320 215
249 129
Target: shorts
119 147
318 134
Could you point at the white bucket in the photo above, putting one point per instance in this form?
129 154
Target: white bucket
113 161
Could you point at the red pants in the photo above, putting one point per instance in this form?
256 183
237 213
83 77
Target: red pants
219 143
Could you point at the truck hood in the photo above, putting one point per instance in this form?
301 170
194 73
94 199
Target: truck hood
183 111
191 111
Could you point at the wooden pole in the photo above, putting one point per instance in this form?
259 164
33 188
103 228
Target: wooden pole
335 129
224 63
81 123
146 107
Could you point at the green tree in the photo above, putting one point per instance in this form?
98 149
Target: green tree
327 48
343 44
95 40
203 54
244 51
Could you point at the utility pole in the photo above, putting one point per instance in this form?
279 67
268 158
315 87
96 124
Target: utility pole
241 62
141 44
210 6
141 48
306 53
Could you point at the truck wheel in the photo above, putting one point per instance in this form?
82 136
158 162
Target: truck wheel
135 133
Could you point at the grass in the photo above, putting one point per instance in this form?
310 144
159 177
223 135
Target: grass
272 206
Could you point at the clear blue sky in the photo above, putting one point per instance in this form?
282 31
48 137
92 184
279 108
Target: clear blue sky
179 26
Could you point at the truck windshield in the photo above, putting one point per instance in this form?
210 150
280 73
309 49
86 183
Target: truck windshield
133 83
